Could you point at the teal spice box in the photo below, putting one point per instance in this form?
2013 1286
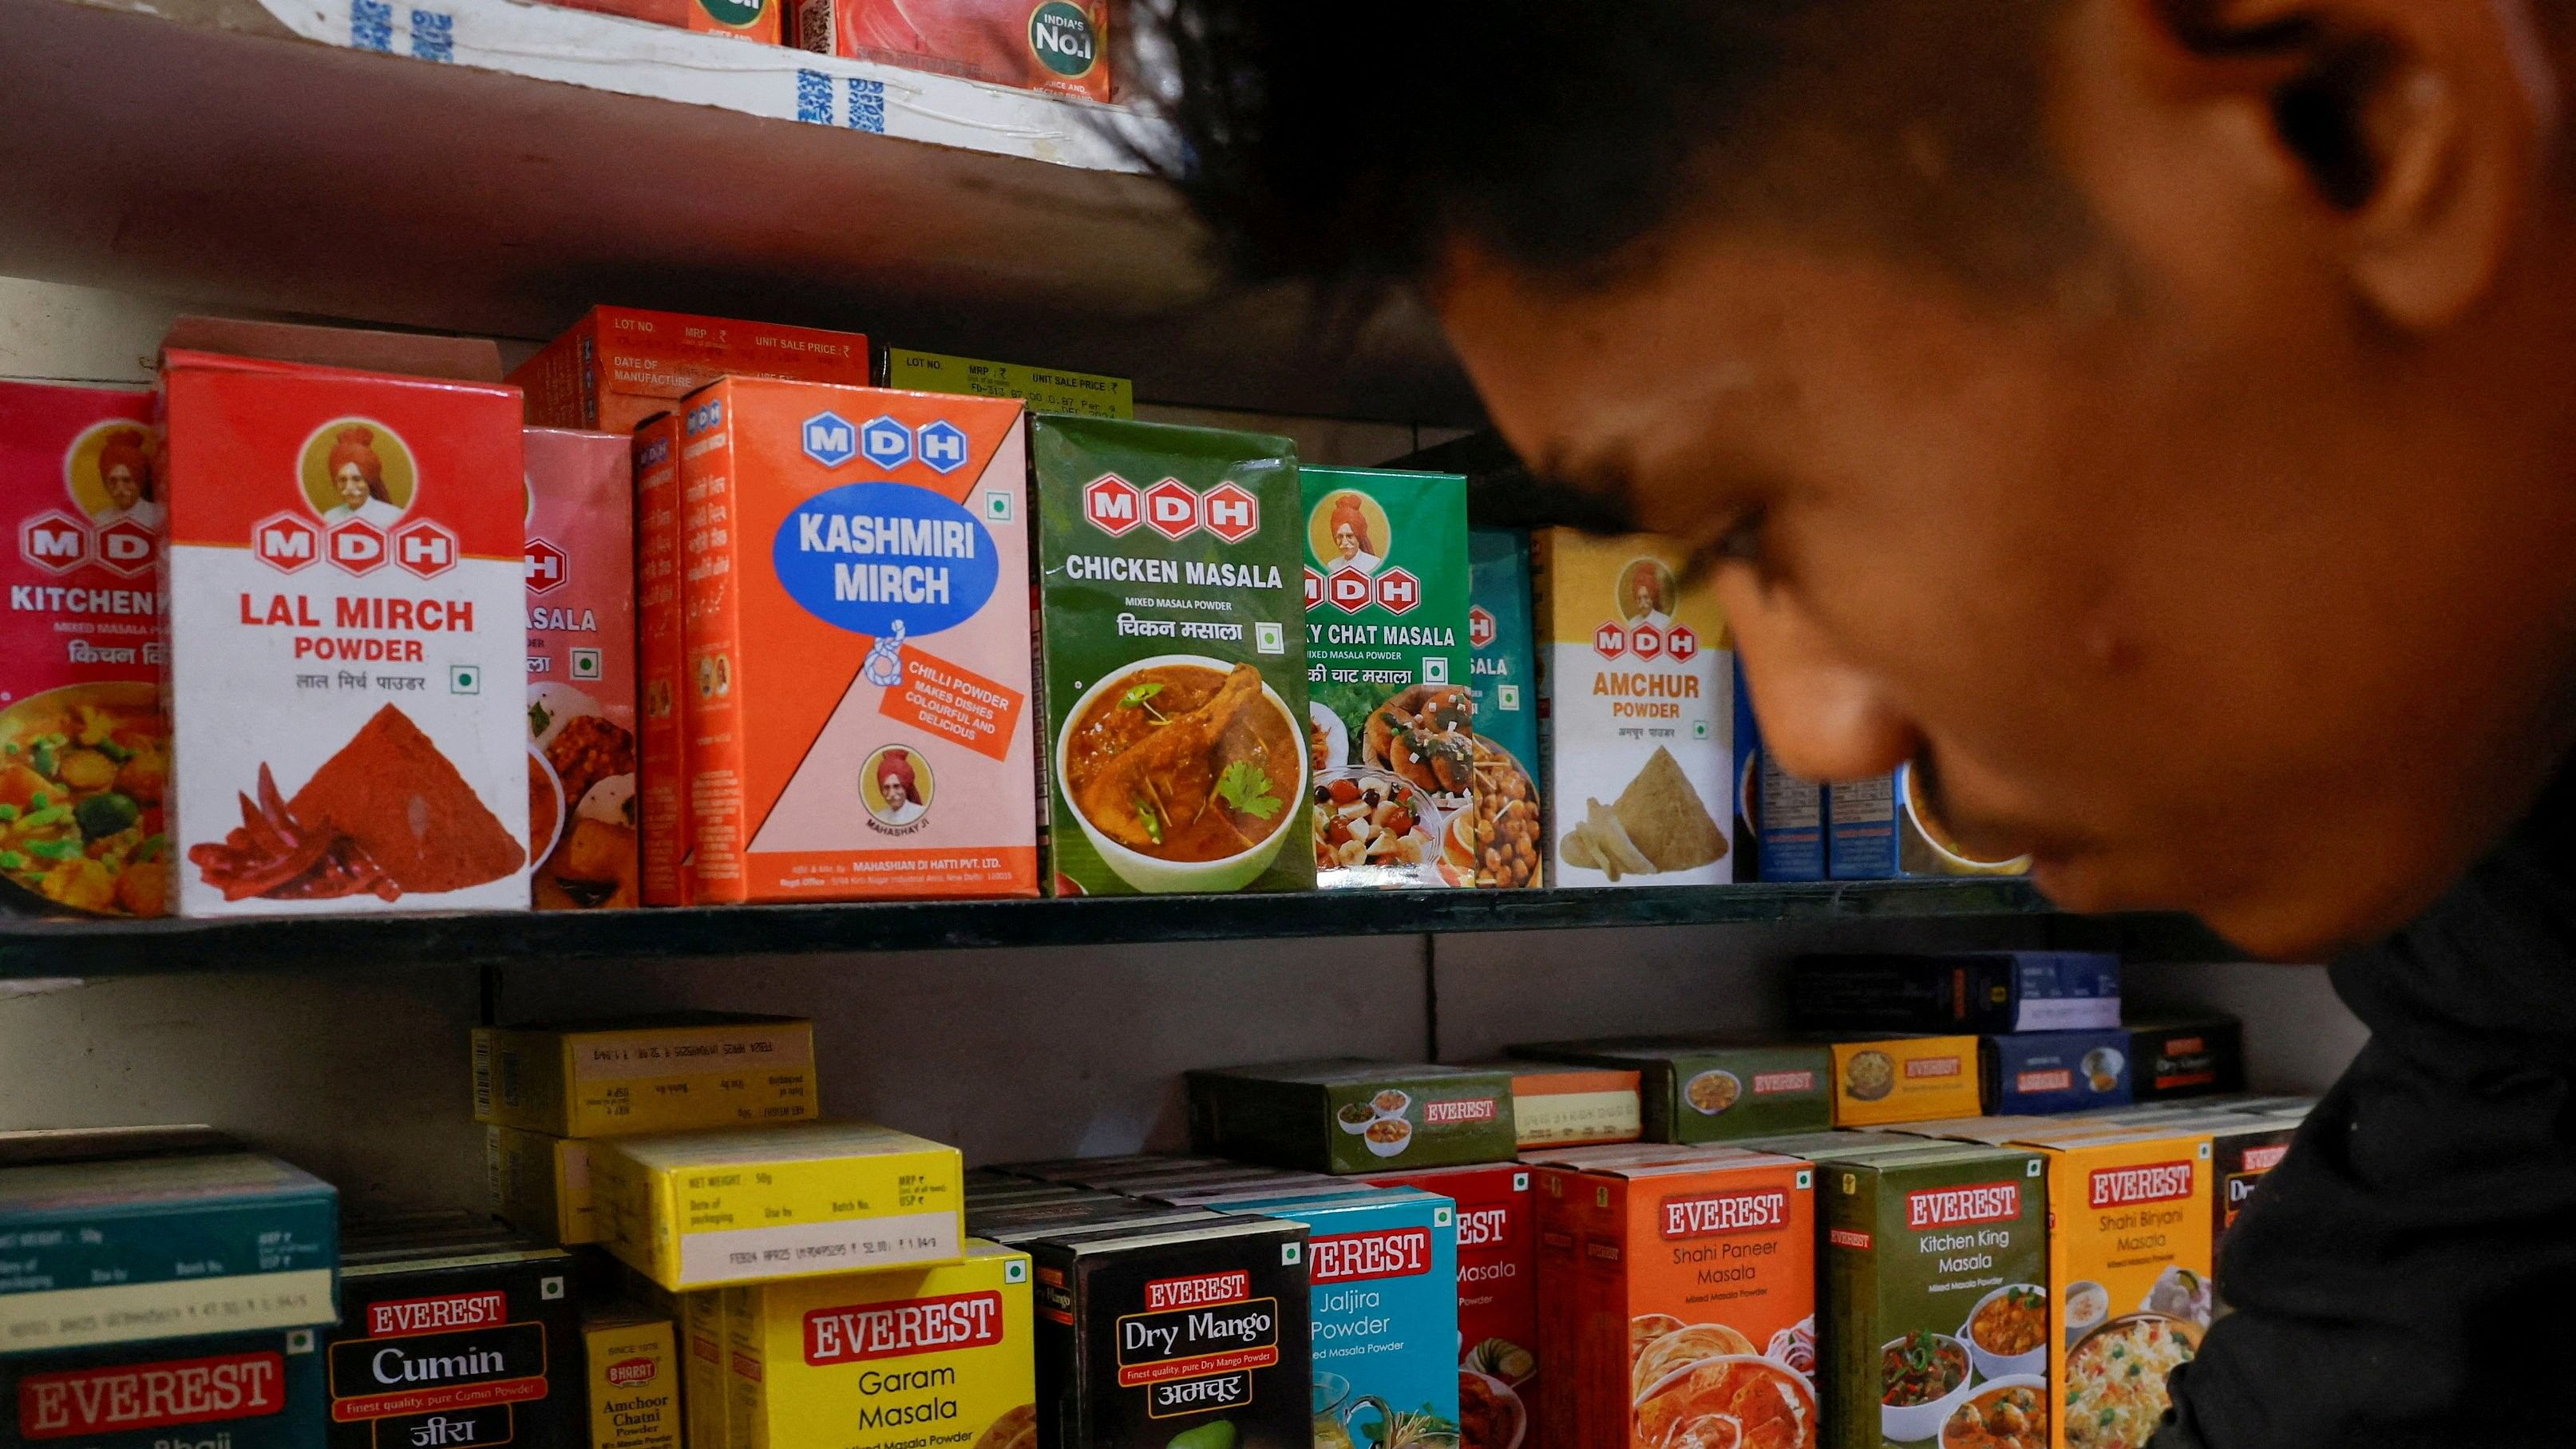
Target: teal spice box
1383 1270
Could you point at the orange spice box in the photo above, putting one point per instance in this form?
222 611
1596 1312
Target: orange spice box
662 820
857 643
581 669
1678 1290
618 366
348 651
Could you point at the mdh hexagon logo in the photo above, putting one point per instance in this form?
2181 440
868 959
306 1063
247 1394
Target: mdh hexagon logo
54 541
1398 591
425 548
357 548
1610 641
1314 588
943 446
286 542
1172 507
887 443
1680 643
1647 641
126 547
547 566
1113 505
1347 590
1480 627
828 439
1230 512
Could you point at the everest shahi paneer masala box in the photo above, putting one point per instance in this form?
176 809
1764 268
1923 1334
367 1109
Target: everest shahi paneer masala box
84 754
347 641
857 644
581 669
1175 647
1390 716
1639 673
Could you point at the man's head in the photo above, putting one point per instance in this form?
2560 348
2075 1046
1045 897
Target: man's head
2150 414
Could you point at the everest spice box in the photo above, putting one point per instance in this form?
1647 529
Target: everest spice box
80 713
1177 734
621 365
236 1391
1695 1089
2241 1157
540 1183
347 641
860 720
2174 1058
1639 675
694 1209
1964 991
128 1249
1346 1115
467 1342
1498 1368
2129 1261
1187 1333
1382 1270
631 1367
1390 715
1674 1265
1935 1285
644 1074
1060 46
1882 1080
581 668
2030 1072
1562 1104
886 1360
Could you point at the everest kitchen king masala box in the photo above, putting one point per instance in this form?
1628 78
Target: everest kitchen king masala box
857 644
1639 673
581 669
347 651
1175 644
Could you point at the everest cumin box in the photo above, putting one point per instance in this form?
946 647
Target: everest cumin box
1695 1089
644 1074
1348 1116
347 640
464 1342
236 1391
694 1209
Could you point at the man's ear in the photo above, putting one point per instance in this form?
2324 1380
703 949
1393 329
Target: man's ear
2422 131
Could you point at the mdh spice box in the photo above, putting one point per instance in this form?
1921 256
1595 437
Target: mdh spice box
1685 1292
1059 46
1175 650
581 669
1044 389
631 1371
2129 1260
618 366
465 1340
1183 1335
1935 1269
1345 1115
1390 716
84 752
627 1075
347 646
857 644
1881 1080
1700 1089
886 1360
1639 679
1507 837
753 20
1499 1382
665 826
233 1391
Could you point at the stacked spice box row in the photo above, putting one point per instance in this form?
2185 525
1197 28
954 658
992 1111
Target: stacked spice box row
1056 46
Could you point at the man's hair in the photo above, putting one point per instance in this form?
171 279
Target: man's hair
1357 143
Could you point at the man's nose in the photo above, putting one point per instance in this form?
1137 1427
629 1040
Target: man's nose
1823 718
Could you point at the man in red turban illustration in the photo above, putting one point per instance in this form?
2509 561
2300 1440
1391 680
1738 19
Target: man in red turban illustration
358 477
1352 545
897 779
125 473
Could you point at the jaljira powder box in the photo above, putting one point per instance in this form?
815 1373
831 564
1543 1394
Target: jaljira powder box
84 755
857 635
347 648
581 669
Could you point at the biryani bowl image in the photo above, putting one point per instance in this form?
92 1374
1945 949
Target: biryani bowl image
1183 771
1658 825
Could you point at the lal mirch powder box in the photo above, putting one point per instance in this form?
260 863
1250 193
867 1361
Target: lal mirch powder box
581 669
347 650
84 752
860 717
641 1074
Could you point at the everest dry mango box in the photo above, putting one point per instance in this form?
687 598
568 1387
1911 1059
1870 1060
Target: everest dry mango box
857 644
692 1210
348 644
644 1074
469 1341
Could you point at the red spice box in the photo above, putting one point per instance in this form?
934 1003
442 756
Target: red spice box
1499 1378
83 752
581 669
1061 46
858 643
621 365
348 651
663 819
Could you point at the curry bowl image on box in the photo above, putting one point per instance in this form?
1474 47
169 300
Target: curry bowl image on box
455 1336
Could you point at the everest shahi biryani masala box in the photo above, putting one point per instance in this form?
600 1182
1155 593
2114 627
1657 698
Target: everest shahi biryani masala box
581 669
1175 647
2129 1267
1638 672
348 647
857 644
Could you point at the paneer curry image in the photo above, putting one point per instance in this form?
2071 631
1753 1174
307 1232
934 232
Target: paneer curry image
1184 772
81 775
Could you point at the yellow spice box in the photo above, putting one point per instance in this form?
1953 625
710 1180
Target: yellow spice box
631 1361
880 1360
1880 1080
696 1209
645 1074
539 1183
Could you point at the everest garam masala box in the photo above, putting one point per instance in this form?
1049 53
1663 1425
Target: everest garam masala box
347 645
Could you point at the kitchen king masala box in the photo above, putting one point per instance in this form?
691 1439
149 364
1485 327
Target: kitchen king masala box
347 648
581 669
618 366
83 644
857 637
1639 676
664 825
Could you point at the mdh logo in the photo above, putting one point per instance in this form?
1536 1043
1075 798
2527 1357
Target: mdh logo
1481 628
289 544
1227 512
58 543
548 567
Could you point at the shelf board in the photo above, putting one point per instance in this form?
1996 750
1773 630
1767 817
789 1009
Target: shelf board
80 948
289 156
